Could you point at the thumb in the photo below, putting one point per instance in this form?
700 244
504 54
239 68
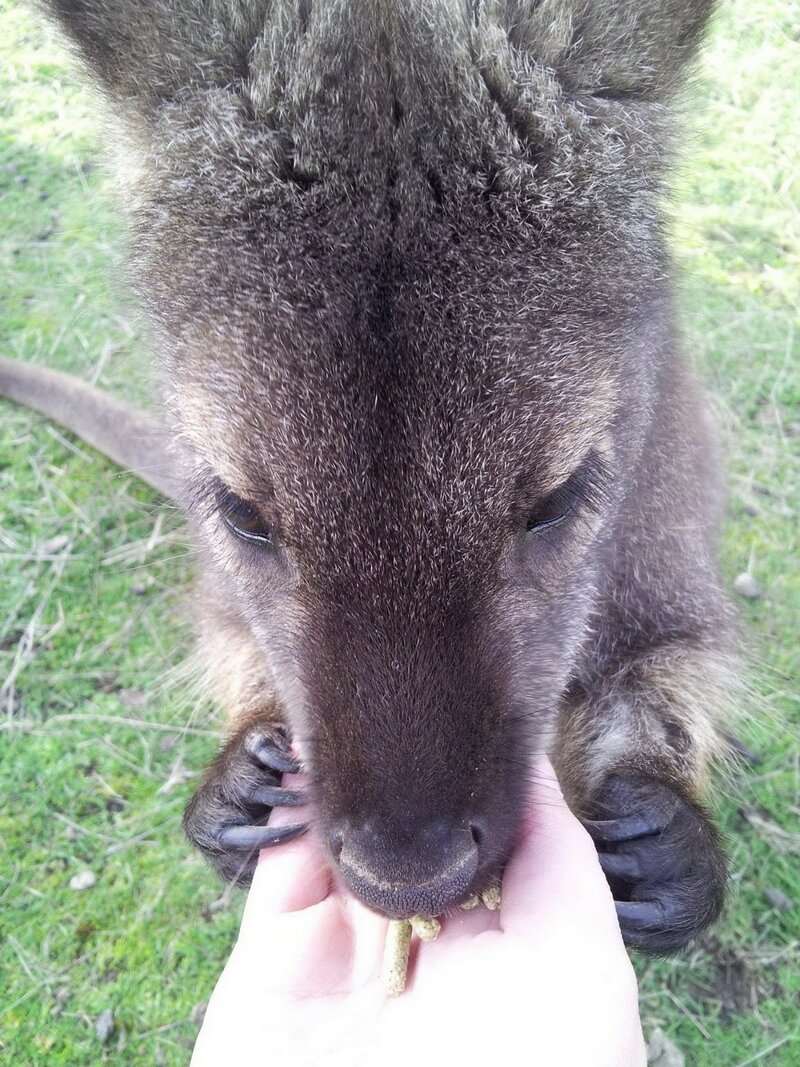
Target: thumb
554 874
291 876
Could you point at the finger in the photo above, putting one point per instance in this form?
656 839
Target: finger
554 871
291 876
310 951
368 932
284 814
469 923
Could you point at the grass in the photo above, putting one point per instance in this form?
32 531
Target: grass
96 756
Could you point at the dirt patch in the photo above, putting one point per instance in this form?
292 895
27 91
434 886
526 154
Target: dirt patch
734 982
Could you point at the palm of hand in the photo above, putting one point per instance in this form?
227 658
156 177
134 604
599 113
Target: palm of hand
546 977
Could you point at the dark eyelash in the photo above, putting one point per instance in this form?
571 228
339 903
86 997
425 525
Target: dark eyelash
590 484
208 496
225 498
242 518
587 488
203 493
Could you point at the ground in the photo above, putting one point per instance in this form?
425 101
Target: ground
99 742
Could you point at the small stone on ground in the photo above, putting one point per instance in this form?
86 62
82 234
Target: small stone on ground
746 586
199 1012
55 545
663 1052
778 899
104 1025
83 880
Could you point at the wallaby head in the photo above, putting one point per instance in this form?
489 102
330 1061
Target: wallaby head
404 267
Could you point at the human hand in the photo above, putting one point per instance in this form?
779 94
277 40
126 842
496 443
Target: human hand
547 977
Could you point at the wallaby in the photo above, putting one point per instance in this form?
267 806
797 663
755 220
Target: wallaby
451 481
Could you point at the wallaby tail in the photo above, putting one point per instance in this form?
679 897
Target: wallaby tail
132 438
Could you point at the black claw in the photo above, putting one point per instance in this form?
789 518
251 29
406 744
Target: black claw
641 914
272 796
269 755
742 751
620 865
625 829
668 875
245 838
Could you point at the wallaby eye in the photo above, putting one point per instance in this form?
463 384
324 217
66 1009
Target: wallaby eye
551 512
242 518
584 489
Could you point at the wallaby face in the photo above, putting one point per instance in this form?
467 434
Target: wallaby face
410 573
418 482
450 479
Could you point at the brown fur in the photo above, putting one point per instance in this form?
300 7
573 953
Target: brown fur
406 273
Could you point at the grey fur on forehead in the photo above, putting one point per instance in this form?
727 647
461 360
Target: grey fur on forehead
553 111
337 83
330 189
256 116
153 49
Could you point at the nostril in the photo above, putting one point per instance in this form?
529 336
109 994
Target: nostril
476 829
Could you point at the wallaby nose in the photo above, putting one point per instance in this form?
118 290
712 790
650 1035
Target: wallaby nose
419 873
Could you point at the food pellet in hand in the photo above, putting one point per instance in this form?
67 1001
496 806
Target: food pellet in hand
491 897
398 939
426 929
398 945
395 956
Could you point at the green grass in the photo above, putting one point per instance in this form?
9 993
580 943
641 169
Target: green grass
94 743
